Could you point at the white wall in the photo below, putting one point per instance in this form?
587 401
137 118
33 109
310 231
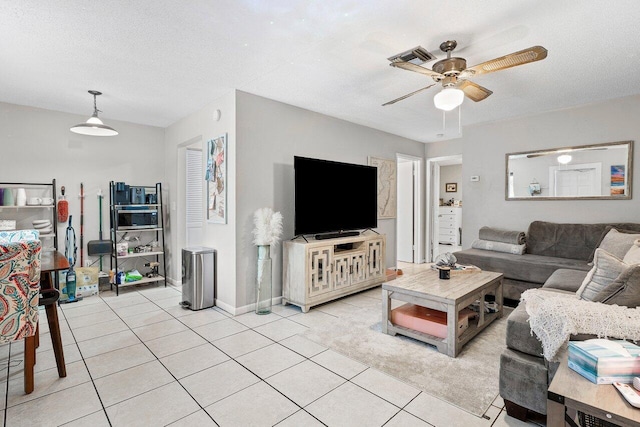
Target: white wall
269 134
484 147
450 174
37 146
202 127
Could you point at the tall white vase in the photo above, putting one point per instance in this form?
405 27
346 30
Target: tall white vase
21 197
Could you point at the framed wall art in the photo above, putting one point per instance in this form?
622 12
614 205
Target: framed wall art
216 178
451 187
618 181
387 190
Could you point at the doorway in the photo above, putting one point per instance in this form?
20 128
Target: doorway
444 206
189 193
409 213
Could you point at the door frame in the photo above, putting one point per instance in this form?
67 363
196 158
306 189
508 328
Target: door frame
181 196
418 254
433 196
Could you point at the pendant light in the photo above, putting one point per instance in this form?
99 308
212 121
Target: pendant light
94 126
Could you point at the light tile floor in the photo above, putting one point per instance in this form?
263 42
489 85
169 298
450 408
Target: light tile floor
162 365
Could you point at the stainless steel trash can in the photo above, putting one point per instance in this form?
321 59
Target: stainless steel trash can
198 277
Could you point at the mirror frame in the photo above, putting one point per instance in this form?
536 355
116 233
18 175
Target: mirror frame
556 150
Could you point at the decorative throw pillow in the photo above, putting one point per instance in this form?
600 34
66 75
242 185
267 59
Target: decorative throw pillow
606 231
606 269
624 291
617 243
633 255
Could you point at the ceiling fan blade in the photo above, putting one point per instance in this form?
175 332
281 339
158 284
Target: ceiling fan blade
474 91
407 95
532 54
418 69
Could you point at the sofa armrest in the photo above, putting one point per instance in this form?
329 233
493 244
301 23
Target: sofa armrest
565 279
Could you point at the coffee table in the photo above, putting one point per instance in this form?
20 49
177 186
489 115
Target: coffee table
427 290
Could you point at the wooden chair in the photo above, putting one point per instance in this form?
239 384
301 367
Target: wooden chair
19 297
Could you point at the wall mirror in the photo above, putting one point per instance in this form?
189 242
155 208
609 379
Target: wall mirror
599 171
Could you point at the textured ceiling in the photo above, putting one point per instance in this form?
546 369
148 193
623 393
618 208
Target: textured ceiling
160 60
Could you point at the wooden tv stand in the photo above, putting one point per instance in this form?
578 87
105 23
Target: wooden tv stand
317 271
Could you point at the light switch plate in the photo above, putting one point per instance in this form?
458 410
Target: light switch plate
475 178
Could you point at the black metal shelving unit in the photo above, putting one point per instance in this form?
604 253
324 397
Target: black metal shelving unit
118 235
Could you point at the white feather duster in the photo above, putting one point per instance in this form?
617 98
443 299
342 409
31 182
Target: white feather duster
267 227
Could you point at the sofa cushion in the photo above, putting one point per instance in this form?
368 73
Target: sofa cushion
526 268
565 280
618 243
575 241
633 229
633 255
606 269
624 290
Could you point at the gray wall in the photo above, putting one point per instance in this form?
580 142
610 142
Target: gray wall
201 127
484 146
37 146
269 134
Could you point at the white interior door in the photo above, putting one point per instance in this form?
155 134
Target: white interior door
194 205
576 180
405 219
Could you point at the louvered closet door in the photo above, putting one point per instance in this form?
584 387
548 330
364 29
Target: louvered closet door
195 207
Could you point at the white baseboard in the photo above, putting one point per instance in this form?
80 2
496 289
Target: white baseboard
174 282
236 311
226 307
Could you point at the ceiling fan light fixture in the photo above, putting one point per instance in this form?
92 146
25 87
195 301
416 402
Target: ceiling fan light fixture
564 159
94 126
448 99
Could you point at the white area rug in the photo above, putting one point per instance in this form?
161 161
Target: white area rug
469 381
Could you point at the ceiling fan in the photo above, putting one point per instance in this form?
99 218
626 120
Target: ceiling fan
454 74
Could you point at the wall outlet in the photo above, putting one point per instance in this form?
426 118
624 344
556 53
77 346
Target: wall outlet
475 178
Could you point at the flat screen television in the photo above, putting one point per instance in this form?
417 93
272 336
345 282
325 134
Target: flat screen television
333 196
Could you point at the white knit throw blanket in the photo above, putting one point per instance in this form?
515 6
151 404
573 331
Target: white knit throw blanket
554 317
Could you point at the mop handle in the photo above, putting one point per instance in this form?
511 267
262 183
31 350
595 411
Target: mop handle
81 224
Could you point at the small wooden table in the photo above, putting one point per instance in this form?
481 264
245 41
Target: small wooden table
427 290
50 262
571 390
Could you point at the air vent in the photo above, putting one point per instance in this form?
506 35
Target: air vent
418 55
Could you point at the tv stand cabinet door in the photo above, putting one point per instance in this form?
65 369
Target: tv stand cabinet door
319 262
341 272
359 268
375 258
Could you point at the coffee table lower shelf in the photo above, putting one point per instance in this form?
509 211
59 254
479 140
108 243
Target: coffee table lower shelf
442 343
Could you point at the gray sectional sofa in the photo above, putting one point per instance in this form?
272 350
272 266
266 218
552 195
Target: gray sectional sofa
556 259
550 246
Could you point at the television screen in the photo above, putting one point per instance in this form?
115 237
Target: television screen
333 196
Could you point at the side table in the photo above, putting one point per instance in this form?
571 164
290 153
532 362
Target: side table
571 390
